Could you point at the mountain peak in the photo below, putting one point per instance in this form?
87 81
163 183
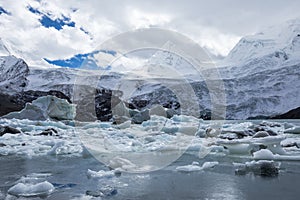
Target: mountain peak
283 37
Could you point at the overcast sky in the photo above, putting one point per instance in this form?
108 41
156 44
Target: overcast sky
214 24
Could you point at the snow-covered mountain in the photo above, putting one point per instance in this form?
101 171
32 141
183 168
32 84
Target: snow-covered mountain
281 40
13 73
262 72
261 76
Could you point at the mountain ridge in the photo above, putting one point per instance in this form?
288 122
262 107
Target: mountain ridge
266 83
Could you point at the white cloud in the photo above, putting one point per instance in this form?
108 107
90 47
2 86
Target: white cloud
214 40
142 19
216 25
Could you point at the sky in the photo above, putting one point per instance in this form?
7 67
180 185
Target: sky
41 31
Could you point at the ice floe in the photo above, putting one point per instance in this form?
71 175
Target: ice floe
32 185
196 167
130 146
31 190
100 174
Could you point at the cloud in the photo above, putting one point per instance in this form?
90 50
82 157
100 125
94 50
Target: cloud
78 27
141 19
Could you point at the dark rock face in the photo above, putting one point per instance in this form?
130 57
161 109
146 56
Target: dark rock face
95 104
49 132
292 114
162 96
10 103
260 168
268 170
31 95
105 100
8 129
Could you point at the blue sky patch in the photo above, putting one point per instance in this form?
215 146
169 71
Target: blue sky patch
3 11
57 23
48 22
78 60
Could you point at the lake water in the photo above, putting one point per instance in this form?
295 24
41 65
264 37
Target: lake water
217 183
68 174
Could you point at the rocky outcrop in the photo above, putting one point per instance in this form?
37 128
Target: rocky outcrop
8 129
292 114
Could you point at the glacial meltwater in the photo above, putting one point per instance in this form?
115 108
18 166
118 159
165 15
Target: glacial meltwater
247 160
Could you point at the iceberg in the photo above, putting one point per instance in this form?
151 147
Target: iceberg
47 107
31 190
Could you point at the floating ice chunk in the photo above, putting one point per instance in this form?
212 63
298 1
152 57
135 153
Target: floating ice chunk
290 142
195 166
105 191
30 190
288 125
294 130
207 165
263 154
103 125
200 133
149 139
85 197
100 174
122 164
158 110
261 134
170 130
181 118
55 148
33 178
189 168
249 144
188 130
124 125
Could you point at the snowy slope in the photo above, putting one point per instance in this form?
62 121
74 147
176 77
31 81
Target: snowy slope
261 76
262 73
166 63
13 73
283 38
